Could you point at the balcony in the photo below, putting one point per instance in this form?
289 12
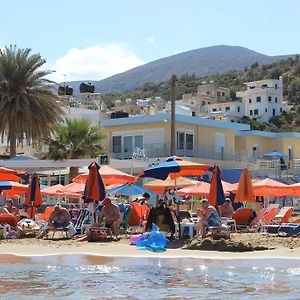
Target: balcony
184 149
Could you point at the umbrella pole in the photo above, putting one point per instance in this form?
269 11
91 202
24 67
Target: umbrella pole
177 210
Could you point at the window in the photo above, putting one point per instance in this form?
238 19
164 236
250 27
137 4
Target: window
255 112
264 86
232 121
116 144
180 140
207 93
189 138
280 109
274 112
218 93
266 110
258 99
203 103
270 99
276 100
223 94
251 112
227 108
138 141
238 109
250 100
276 86
214 109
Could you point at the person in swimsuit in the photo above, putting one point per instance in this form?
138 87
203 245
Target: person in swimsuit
208 217
226 209
60 217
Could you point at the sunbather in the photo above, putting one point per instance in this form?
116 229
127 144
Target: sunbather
208 217
110 217
60 217
226 209
9 209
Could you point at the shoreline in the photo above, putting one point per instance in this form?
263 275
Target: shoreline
116 249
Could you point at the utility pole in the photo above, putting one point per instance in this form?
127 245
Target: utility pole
173 119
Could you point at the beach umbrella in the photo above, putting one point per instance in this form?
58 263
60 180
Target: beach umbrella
94 189
269 187
52 190
216 193
159 186
13 186
33 196
275 154
200 189
109 176
175 167
245 192
129 190
10 174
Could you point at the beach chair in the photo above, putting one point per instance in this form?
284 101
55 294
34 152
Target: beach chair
289 229
243 218
256 222
283 221
286 217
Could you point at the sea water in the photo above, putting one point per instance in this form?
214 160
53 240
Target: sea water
94 277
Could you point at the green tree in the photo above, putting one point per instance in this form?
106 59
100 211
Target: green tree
28 107
75 139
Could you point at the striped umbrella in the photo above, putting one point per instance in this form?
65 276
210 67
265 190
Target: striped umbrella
216 192
33 196
94 189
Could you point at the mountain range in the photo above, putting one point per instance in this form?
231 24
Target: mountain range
200 62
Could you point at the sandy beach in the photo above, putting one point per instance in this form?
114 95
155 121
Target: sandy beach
280 247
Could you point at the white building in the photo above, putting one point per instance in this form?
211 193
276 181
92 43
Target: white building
262 100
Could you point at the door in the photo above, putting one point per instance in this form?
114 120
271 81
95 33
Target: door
220 145
127 146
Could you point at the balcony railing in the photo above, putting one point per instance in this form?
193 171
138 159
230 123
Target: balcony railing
186 149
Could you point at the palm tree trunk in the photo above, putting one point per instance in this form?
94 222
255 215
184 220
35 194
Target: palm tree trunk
74 171
12 141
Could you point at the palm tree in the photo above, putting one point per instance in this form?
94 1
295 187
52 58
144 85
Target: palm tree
75 139
28 108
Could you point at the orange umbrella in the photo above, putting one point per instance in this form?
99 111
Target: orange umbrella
269 187
10 171
245 189
199 189
72 188
94 189
295 189
202 189
33 196
109 176
13 188
51 190
159 186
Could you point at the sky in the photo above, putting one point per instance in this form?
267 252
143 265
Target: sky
95 39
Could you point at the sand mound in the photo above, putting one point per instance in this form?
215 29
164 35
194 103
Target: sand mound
209 244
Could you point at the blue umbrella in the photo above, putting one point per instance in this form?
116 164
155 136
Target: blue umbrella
274 153
129 190
175 167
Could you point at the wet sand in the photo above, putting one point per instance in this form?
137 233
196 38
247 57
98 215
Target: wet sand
281 247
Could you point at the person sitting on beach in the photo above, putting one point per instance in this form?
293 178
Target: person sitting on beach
208 217
226 209
110 217
59 218
9 209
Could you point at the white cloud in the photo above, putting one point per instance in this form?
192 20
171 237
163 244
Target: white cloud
151 41
93 63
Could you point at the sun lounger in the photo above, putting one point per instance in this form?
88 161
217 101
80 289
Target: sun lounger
219 232
290 229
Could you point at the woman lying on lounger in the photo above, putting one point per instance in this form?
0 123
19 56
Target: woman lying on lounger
208 217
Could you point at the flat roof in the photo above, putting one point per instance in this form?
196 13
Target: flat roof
268 134
158 118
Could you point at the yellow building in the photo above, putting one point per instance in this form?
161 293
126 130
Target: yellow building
195 137
210 141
